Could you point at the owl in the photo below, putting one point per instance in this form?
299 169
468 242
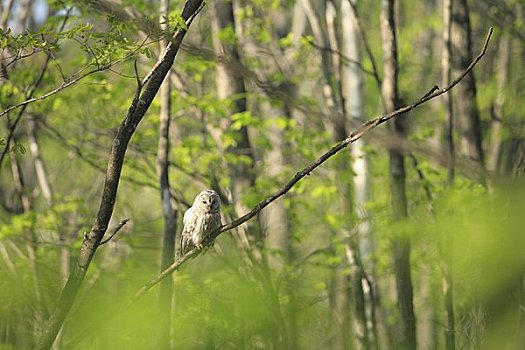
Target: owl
200 220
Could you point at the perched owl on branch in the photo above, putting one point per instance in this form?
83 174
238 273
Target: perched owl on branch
200 220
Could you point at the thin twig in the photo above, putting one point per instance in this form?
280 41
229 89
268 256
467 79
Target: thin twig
345 59
61 87
62 141
369 53
115 231
354 136
137 75
31 92
70 81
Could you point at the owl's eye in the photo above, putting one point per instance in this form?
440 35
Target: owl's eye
204 201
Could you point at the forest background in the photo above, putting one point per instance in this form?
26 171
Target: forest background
408 234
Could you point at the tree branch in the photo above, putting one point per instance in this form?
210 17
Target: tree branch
354 136
114 231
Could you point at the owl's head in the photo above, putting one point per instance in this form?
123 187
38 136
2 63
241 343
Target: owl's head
208 200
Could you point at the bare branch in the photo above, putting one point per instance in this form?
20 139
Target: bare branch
115 231
354 136
346 59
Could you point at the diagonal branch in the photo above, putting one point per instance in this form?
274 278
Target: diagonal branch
114 231
354 136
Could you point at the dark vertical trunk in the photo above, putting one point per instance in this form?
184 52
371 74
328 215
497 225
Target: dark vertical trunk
445 77
169 214
401 244
447 281
465 94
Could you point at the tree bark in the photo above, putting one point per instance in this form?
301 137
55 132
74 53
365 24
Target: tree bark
26 202
362 249
334 122
47 193
231 87
40 169
445 78
275 216
344 287
340 309
136 112
169 214
465 96
447 281
276 227
496 125
401 245
324 29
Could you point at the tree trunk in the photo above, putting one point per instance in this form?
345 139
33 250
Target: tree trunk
496 126
445 79
40 169
345 288
340 306
275 216
31 245
465 96
401 245
138 108
231 87
169 214
47 193
362 251
275 224
334 122
446 252
273 220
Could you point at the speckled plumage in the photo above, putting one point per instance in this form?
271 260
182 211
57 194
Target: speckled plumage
201 219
